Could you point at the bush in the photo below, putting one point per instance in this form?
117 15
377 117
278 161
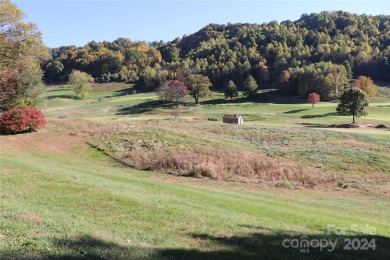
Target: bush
20 120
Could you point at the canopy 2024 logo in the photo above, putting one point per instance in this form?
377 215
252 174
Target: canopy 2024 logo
305 244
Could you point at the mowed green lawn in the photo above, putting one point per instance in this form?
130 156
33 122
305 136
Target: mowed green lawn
72 202
265 108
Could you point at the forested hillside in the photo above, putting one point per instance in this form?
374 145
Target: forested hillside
318 52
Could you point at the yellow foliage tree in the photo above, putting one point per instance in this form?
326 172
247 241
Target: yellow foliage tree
366 84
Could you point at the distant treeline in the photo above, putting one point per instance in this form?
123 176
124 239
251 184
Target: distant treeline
319 52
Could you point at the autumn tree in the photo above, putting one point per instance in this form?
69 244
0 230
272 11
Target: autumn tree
199 86
18 40
250 86
353 102
173 90
282 82
21 49
231 90
8 86
81 83
366 84
313 98
21 87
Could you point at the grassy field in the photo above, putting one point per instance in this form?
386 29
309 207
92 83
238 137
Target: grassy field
69 200
265 108
63 199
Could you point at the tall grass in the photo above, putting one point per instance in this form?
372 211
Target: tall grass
163 151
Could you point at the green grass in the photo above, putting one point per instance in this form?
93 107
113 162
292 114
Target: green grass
264 109
81 204
383 88
60 97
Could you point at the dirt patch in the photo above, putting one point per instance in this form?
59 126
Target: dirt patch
358 125
43 140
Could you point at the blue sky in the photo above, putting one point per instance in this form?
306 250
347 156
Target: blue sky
79 22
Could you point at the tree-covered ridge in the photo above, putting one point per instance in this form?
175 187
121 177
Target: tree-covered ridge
361 40
317 53
120 60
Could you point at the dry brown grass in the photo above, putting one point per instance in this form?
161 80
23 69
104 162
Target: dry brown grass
213 160
87 128
353 143
197 160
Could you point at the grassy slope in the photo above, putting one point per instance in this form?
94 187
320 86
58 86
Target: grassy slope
283 118
73 202
77 203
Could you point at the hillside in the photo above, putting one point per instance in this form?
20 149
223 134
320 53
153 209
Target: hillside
318 52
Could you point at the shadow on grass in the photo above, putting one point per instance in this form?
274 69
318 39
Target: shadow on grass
63 96
223 101
322 115
145 107
269 96
135 89
295 111
261 243
314 125
274 96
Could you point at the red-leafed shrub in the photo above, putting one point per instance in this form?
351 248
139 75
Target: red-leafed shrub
19 120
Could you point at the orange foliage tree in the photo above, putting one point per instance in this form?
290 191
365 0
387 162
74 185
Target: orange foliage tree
313 98
366 84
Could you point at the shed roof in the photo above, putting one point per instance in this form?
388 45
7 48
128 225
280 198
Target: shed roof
232 116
